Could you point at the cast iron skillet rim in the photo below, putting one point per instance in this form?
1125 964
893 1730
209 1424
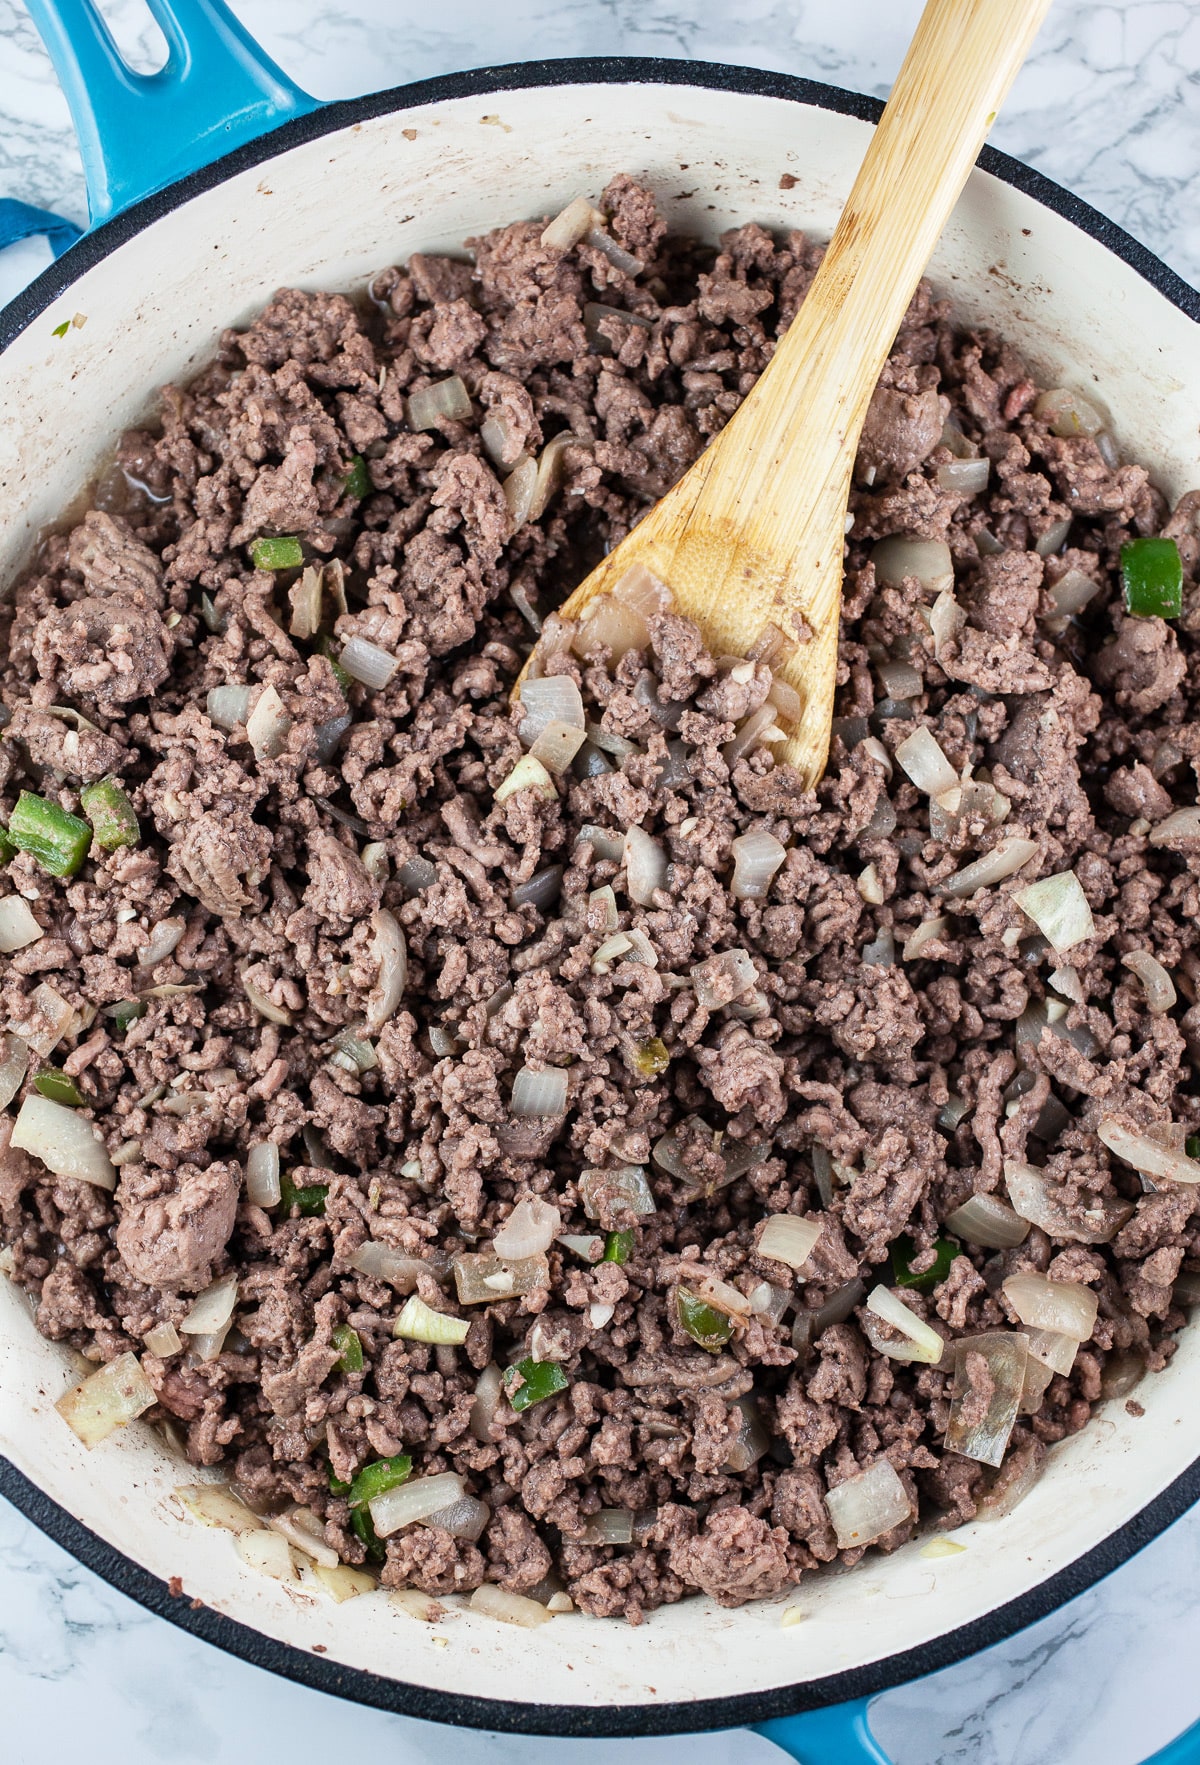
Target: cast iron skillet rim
318 1672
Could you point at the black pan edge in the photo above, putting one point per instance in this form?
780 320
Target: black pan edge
575 1721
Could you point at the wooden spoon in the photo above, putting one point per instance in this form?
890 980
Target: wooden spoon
753 533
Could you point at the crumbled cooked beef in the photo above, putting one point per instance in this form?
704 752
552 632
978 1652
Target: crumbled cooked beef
844 1082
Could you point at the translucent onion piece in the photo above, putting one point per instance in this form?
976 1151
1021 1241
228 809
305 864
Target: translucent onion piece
985 1437
640 948
1039 1201
868 1505
495 439
1180 829
163 940
645 866
570 225
755 728
1068 413
922 758
604 841
609 951
382 1263
13 1067
430 405
264 1004
366 662
588 1246
541 891
538 1093
342 1582
616 745
18 927
1150 1157
1066 1306
1066 981
464 1518
610 1526
786 1238
620 259
870 887
305 598
965 477
922 1342
756 858
768 1301
107 1400
353 1053
1157 985
609 625
215 1504
1072 592
529 1230
65 1141
415 875
302 1528
422 1606
987 1221
419 1322
881 951
1009 1495
491 1601
600 1315
47 1019
269 1553
1005 858
553 699
723 977
607 1193
557 746
786 700
228 706
723 1298
414 1500
930 931
391 952
1035 1384
548 474
1059 908
527 775
164 1340
519 488
899 680
1055 535
602 902
485 1278
641 589
1054 1348
927 559
946 621
267 725
489 1389
212 1309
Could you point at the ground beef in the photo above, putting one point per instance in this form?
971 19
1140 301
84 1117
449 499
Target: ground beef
233 980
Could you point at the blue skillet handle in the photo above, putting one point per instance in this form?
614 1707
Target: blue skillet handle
139 132
841 1735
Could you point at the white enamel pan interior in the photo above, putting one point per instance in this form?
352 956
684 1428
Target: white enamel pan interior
323 204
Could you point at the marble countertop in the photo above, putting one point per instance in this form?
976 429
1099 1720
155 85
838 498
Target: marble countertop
1108 105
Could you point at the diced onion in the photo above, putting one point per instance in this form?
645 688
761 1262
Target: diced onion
530 1229
985 1438
419 1322
1005 858
549 471
366 662
922 1342
1150 1157
618 945
267 725
609 625
491 1601
965 477
987 1221
343 1582
1072 592
269 1553
527 774
868 1505
464 1518
18 926
413 1501
756 858
610 1526
13 1067
542 889
489 1388
899 680
1068 413
723 977
617 256
1047 543
641 589
65 1141
588 1246
570 225
930 931
422 1606
1037 1200
107 1400
1054 1348
264 1004
788 1239
305 598
537 1093
1066 1306
645 866
928 560
228 706
519 487
553 699
557 746
382 1263
302 1528
48 1018
760 726
416 875
1180 829
485 1278
163 939
870 886
1157 985
617 745
215 1504
946 621
922 758
391 953
606 1192
354 1054
430 405
164 1340
600 1315
212 1309
1059 908
605 843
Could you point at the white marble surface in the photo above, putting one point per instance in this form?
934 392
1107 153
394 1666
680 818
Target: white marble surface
1108 105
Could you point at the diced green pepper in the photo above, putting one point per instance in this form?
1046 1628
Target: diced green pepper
285 553
363 1528
531 1382
1192 1145
703 1323
111 815
8 847
903 1251
125 1012
618 1247
652 1058
344 680
337 1487
358 480
59 841
350 1343
61 330
372 1480
59 1087
310 1200
1152 578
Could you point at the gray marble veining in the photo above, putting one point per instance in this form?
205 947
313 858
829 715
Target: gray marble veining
1110 106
